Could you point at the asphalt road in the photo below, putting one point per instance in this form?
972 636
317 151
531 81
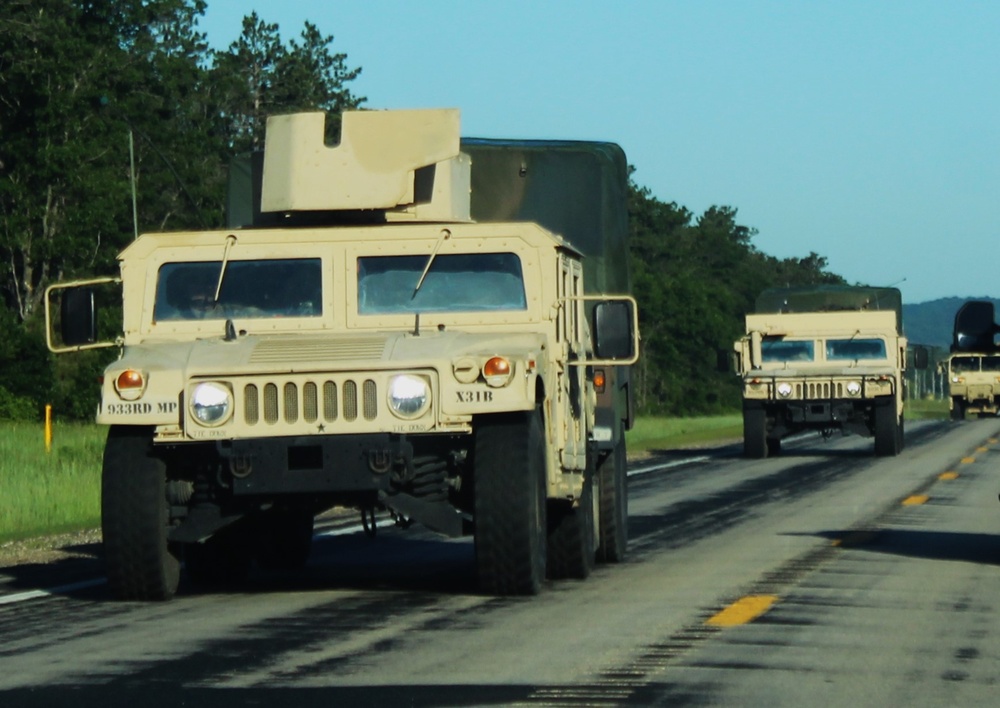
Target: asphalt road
823 577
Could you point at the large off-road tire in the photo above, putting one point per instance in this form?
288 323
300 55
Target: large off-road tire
222 561
509 503
135 517
957 408
283 539
612 491
755 433
571 552
888 433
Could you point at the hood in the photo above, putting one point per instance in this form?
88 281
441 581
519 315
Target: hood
293 353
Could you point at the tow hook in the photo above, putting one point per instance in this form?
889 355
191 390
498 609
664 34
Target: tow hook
379 461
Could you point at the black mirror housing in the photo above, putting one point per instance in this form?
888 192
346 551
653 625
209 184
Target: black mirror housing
78 317
613 330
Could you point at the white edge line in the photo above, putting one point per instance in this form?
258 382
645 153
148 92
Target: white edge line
667 465
61 590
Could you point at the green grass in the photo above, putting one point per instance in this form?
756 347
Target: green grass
926 409
43 492
675 433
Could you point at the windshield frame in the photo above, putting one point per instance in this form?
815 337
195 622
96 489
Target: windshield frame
819 347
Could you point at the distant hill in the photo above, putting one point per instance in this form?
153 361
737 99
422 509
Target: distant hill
931 323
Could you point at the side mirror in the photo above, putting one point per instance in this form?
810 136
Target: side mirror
614 330
78 317
724 361
921 357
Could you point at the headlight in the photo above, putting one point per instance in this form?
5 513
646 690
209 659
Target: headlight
409 396
853 388
784 390
211 403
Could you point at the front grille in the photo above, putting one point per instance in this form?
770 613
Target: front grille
819 390
310 401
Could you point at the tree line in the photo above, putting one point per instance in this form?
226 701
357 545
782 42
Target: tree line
98 96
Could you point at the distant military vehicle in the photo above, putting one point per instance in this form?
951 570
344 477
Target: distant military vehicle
366 336
827 358
974 363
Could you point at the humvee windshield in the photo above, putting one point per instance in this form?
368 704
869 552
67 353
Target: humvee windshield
851 349
454 283
774 349
975 363
258 288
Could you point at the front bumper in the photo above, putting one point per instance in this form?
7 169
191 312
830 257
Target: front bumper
314 464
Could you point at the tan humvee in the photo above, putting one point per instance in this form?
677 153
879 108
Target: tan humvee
973 384
371 347
825 359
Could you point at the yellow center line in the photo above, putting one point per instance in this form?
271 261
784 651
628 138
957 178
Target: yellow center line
948 475
991 441
915 500
744 610
982 449
968 460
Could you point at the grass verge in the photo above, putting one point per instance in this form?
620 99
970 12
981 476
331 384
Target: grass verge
52 492
658 433
926 409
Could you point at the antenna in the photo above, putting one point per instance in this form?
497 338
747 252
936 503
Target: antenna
131 176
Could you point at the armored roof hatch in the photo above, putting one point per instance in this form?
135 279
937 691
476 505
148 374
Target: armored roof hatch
405 163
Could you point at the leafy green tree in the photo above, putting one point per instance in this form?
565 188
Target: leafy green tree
89 89
695 279
259 76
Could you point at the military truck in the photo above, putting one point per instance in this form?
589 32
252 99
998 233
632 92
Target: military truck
357 339
973 367
827 358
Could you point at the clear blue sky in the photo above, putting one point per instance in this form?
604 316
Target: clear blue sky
866 131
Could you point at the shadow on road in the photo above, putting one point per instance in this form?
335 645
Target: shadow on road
171 695
390 562
983 548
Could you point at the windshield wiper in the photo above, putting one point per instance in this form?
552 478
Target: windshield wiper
230 242
445 235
